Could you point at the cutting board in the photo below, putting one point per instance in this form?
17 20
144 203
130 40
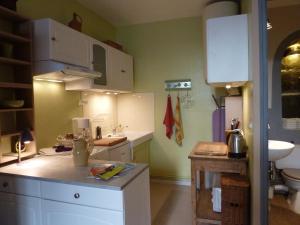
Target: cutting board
211 148
109 141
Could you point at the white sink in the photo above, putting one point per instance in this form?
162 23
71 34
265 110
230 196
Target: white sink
279 149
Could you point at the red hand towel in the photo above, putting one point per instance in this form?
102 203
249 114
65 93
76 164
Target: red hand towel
169 119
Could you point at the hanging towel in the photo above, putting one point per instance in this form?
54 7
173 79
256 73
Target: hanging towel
178 124
169 120
218 124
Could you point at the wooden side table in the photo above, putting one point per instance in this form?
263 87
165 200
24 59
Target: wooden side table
201 198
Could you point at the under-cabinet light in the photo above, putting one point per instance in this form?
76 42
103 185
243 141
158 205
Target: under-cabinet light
228 86
49 80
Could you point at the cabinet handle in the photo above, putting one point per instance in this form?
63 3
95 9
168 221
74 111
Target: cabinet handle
53 39
76 195
123 71
234 204
5 184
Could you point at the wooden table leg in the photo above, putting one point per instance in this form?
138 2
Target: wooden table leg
194 193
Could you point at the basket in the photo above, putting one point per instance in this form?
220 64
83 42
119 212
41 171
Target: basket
235 200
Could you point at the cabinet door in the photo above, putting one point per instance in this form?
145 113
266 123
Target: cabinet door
120 70
227 49
121 153
137 201
58 213
99 62
19 210
141 153
68 45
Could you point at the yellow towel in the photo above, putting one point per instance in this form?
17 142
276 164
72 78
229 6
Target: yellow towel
178 124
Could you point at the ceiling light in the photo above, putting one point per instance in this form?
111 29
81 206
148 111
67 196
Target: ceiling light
228 86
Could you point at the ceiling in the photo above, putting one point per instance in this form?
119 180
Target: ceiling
127 12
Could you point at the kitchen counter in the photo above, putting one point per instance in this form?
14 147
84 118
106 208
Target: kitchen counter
61 169
135 138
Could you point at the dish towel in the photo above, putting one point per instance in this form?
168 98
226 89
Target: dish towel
169 120
178 123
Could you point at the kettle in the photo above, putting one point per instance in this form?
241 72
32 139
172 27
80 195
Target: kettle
237 147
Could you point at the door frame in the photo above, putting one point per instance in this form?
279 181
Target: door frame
264 118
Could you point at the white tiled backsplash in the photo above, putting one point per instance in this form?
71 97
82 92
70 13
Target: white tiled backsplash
101 109
134 111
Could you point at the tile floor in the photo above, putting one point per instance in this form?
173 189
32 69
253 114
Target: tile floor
170 204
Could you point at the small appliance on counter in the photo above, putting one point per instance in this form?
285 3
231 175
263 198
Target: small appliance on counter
237 147
82 128
98 133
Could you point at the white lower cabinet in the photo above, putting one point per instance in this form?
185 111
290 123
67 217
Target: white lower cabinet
19 210
120 153
59 213
56 203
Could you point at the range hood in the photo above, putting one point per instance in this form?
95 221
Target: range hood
60 72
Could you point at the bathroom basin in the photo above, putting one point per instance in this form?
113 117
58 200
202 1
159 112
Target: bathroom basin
279 149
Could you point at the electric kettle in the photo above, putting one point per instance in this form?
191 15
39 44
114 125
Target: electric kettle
237 147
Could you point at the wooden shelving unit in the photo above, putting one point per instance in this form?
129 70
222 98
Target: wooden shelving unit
16 81
15 85
14 61
16 110
10 15
12 38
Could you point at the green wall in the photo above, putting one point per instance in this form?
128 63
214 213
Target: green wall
163 51
55 107
62 11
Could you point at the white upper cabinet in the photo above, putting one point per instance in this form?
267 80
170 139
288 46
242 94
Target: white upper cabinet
116 68
55 41
227 50
120 67
98 55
